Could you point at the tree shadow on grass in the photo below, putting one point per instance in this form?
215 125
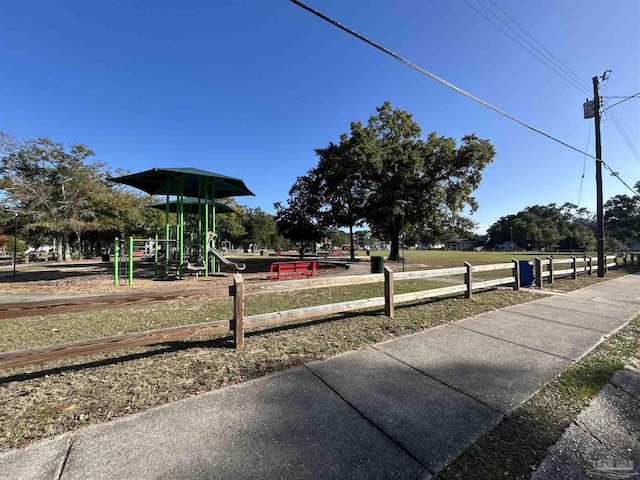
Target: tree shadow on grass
224 343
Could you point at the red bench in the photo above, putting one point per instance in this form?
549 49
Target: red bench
292 269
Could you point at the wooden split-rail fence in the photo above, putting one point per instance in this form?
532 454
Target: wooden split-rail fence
546 269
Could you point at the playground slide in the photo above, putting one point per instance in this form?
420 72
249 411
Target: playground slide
212 242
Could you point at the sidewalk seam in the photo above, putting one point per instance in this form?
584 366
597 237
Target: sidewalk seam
512 342
502 414
559 323
580 311
586 429
376 427
66 457
618 387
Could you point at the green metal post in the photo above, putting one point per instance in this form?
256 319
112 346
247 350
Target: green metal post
116 260
130 263
181 226
167 233
207 253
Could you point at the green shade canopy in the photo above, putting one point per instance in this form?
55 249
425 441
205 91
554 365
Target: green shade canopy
190 205
190 182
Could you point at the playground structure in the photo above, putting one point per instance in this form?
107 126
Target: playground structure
188 246
155 248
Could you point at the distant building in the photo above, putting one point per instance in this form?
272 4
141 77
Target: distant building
459 244
506 246
633 245
431 246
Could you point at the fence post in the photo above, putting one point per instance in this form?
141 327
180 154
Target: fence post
130 263
624 258
537 266
468 279
574 265
606 269
116 261
516 274
632 259
550 269
388 293
238 310
589 266
615 260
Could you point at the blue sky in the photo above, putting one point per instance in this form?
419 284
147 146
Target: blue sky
250 88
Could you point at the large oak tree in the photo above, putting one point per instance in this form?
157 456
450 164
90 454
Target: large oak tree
386 164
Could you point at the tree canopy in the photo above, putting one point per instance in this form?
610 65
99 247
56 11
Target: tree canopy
384 164
61 194
622 217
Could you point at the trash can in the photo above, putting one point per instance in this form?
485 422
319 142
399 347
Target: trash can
527 279
377 264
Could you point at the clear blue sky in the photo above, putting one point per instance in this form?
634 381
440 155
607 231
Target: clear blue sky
250 88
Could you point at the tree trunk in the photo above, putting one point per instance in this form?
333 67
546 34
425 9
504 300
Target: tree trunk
394 255
58 248
67 250
395 250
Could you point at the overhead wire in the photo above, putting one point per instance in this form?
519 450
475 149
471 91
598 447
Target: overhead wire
617 175
450 85
584 165
536 53
624 134
620 96
559 62
637 95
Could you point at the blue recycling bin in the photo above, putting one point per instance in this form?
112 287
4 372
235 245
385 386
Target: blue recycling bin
527 278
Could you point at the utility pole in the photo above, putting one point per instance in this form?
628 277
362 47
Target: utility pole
599 199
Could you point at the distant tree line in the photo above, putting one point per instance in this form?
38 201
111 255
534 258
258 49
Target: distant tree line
568 227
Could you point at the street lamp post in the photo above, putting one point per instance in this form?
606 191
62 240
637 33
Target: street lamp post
512 247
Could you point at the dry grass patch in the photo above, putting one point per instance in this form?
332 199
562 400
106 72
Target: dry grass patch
44 400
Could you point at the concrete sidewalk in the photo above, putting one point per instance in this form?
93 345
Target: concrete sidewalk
604 440
401 409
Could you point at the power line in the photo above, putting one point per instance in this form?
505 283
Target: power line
577 77
624 134
618 103
584 165
544 60
619 96
617 175
435 77
448 84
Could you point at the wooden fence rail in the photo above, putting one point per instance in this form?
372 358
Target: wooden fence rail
578 265
238 324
